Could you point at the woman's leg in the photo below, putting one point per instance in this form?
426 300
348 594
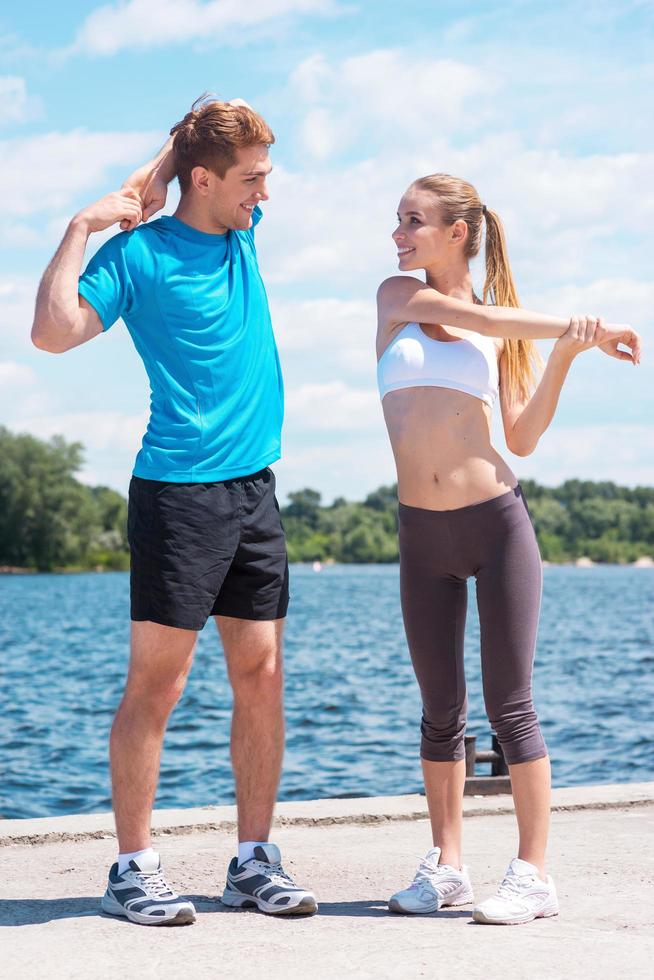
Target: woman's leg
444 783
508 596
530 784
434 607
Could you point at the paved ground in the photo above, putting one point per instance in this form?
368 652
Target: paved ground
601 860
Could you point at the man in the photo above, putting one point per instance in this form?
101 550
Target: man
204 527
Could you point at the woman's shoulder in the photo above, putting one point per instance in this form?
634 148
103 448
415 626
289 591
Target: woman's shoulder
399 286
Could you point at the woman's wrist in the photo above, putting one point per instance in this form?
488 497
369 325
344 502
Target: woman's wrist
562 355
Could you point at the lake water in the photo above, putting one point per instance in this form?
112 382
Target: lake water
352 703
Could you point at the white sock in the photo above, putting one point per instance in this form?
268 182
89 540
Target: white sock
123 859
246 850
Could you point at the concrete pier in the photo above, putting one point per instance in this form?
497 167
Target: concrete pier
353 854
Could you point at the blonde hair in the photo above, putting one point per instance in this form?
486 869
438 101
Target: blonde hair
209 135
459 201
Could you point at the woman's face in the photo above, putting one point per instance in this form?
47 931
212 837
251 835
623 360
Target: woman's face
422 239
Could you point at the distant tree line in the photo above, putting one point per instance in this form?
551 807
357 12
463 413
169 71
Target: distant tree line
49 520
601 521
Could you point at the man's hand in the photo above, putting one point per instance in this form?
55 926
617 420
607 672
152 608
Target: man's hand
240 102
151 189
123 205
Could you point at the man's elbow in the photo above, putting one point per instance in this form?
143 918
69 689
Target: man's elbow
45 340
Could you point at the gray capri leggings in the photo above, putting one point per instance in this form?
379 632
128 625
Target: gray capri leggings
439 551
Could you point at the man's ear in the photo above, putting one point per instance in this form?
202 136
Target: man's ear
200 179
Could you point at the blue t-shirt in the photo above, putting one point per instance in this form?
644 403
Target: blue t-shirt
197 311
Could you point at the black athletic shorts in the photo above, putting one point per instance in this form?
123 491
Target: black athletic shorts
206 549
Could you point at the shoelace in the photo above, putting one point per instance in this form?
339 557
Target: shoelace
153 883
513 884
427 871
276 873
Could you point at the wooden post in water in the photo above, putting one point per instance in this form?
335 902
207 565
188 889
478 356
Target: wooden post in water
498 781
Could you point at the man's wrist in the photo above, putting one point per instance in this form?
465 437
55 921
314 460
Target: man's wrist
80 224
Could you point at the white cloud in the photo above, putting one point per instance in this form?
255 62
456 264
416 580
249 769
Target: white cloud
49 172
384 96
622 453
350 468
20 392
14 375
332 407
566 217
16 312
109 432
142 24
319 335
16 105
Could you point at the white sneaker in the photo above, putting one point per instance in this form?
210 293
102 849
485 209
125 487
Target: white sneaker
521 897
434 885
142 895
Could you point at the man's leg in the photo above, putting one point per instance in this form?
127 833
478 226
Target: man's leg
161 657
160 660
253 653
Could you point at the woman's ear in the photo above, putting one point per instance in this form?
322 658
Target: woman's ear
458 232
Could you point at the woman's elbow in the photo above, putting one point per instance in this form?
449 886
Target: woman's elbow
521 448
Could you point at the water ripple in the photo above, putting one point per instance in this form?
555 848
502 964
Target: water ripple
351 699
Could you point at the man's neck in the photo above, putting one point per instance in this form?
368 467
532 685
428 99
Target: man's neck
188 212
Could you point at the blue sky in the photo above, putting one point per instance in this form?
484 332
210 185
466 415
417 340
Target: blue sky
541 106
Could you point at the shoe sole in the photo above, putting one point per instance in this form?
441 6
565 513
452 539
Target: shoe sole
478 916
237 900
395 906
185 916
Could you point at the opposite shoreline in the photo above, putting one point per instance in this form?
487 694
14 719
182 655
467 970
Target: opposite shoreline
313 813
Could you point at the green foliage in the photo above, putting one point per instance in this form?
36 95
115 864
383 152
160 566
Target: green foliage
602 521
49 520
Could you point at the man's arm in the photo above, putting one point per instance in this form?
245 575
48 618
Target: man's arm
62 318
151 181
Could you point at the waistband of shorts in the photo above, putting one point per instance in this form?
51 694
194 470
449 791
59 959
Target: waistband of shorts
484 508
247 478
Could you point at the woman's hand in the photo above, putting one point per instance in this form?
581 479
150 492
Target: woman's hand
621 333
581 335
123 205
586 331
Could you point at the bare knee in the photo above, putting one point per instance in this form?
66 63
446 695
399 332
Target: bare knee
154 693
260 676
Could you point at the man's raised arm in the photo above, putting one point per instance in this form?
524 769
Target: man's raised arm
62 318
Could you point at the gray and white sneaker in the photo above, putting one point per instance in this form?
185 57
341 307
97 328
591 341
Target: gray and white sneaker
434 886
521 897
142 894
261 882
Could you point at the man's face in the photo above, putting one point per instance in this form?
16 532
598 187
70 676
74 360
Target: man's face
232 198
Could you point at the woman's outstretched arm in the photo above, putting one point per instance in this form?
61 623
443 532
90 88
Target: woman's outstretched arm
403 299
525 421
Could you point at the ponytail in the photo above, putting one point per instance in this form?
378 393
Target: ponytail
522 357
458 200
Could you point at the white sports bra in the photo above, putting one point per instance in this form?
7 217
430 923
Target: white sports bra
412 359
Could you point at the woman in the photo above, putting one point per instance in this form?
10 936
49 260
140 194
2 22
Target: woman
443 359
